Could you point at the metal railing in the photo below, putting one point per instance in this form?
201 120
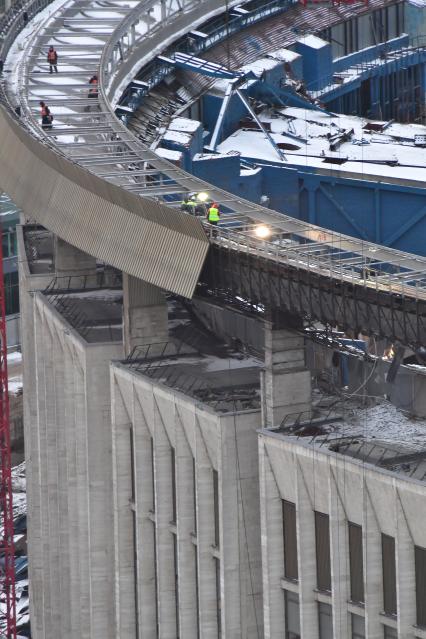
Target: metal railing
306 246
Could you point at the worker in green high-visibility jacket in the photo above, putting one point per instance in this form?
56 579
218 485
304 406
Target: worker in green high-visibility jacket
213 214
189 205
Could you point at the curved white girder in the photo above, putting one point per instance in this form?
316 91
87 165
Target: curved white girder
98 142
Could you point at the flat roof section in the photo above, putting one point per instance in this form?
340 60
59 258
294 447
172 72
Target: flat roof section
377 434
195 362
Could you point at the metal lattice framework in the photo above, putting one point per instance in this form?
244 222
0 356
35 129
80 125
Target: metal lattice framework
119 39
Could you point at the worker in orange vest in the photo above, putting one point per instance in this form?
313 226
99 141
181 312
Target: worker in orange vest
52 59
46 116
93 91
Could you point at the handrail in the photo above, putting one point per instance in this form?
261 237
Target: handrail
250 213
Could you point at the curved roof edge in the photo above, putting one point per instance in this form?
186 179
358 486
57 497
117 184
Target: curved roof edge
137 235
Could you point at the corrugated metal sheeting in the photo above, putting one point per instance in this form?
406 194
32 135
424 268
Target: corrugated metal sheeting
141 237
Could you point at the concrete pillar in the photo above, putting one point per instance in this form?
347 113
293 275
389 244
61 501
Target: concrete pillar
43 591
100 487
339 549
185 529
164 535
70 261
230 519
372 550
82 461
144 313
125 552
405 574
287 383
29 282
145 531
71 463
65 559
272 547
205 540
306 552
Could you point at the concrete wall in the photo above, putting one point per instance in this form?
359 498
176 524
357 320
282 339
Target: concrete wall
149 423
347 490
70 520
68 461
28 283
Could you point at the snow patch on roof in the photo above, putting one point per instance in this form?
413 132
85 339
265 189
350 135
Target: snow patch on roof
177 136
313 42
214 156
184 124
285 55
259 66
167 154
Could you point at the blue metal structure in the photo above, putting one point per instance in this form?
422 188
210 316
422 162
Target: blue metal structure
390 211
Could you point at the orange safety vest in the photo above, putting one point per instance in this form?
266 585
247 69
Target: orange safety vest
51 55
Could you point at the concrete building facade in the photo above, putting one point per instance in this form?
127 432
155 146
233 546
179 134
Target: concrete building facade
157 508
143 493
343 538
186 510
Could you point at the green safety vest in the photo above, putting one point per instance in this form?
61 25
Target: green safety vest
213 214
191 203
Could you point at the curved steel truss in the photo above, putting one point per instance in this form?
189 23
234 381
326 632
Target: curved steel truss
93 184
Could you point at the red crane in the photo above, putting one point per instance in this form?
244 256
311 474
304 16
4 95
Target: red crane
7 551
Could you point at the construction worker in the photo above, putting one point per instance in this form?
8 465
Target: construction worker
52 59
93 91
213 215
189 205
46 116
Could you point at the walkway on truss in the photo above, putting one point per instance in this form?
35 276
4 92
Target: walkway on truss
259 258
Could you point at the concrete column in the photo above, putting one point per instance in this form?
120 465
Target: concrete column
145 537
144 313
205 539
71 464
232 562
372 550
124 569
82 461
405 574
307 560
272 547
287 383
70 261
339 549
164 536
100 487
185 528
65 559
28 282
52 479
41 589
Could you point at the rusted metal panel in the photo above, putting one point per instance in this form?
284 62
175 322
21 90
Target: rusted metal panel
140 236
